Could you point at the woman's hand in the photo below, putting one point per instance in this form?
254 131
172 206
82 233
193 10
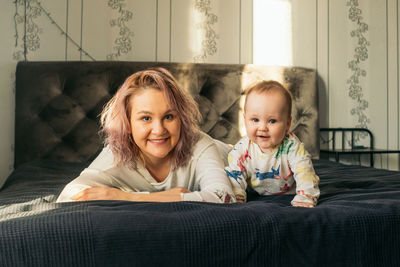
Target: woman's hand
101 193
107 193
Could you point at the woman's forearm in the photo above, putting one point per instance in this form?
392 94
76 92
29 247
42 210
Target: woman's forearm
107 193
163 196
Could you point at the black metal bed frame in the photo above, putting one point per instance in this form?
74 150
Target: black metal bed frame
354 149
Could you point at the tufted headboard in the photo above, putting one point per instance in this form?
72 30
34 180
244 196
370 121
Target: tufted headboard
58 103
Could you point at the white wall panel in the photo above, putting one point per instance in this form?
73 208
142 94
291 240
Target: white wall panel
98 36
228 30
393 81
304 33
75 8
398 77
144 13
322 52
340 51
101 39
184 36
52 23
190 28
377 72
246 32
7 106
163 30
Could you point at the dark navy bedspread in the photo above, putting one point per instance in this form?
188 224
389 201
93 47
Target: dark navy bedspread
356 223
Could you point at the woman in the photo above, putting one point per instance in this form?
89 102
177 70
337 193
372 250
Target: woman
155 151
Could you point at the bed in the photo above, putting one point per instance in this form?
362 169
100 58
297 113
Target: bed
356 223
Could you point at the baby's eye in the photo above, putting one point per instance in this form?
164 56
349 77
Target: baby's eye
255 120
146 118
272 121
169 117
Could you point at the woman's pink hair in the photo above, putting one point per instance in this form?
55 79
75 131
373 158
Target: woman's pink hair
115 117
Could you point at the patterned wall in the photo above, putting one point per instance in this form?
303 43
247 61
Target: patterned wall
358 61
217 31
353 44
158 30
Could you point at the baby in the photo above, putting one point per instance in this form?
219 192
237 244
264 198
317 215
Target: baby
269 159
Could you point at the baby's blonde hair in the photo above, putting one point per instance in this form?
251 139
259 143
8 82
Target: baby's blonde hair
270 86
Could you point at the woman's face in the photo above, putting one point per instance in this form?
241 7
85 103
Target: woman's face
155 125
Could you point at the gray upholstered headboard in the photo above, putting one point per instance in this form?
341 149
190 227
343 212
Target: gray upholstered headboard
58 103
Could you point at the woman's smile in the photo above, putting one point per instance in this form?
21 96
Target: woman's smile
158 141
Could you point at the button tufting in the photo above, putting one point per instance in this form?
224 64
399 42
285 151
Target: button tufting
58 103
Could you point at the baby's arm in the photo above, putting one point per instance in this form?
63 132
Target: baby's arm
307 190
236 171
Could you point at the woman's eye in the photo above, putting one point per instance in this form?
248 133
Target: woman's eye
169 117
145 118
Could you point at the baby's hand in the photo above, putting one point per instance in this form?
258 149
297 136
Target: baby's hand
303 204
240 199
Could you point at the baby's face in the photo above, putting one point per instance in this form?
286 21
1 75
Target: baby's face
266 118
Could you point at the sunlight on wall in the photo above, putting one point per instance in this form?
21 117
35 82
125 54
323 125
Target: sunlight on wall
250 75
272 43
272 32
196 34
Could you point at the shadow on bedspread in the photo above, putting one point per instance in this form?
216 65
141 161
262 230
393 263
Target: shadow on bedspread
356 223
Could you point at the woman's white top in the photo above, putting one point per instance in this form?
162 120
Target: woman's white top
204 175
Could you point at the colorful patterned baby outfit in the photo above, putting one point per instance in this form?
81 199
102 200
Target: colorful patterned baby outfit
286 170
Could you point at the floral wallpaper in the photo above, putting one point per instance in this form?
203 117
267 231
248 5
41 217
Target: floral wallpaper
28 31
224 28
209 43
355 65
26 40
123 43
